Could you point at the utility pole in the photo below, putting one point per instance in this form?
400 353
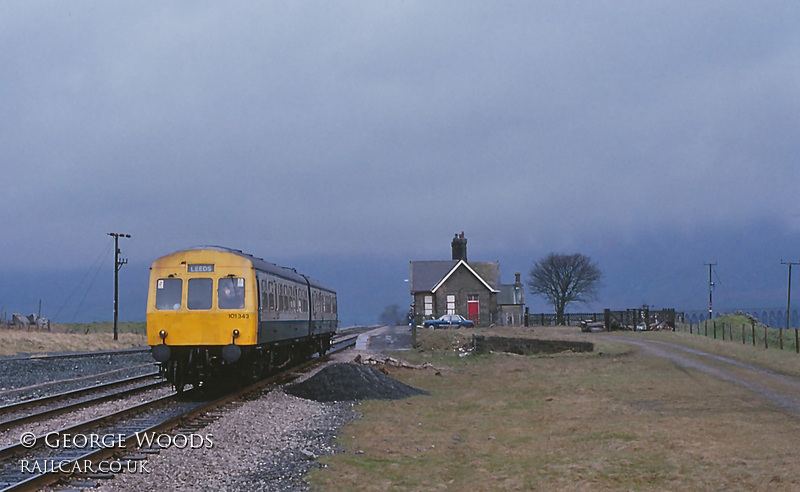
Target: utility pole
789 290
118 262
710 290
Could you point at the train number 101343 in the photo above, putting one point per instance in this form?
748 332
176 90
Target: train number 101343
239 316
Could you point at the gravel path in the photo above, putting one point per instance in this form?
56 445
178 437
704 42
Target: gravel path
778 389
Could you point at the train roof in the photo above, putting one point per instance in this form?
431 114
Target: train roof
263 265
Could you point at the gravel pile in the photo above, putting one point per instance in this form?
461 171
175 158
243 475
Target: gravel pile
343 382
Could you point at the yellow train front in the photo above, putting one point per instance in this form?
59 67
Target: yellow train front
215 313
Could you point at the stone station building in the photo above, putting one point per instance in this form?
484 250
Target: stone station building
471 289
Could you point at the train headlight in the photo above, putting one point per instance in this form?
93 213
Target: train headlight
235 334
162 334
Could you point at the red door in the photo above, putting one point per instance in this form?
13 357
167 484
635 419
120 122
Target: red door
473 308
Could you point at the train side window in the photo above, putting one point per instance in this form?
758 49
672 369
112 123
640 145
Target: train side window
230 292
199 293
168 294
272 296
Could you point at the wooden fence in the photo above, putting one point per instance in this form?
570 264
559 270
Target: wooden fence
570 319
754 334
639 319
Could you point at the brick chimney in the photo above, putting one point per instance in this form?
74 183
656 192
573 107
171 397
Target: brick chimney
459 246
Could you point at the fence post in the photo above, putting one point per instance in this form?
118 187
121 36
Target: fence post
743 341
753 327
796 344
780 337
705 325
723 331
766 343
714 323
690 327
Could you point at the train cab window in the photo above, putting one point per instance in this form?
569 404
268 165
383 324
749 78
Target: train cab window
230 291
199 293
168 294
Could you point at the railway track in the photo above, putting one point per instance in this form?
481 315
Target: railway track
49 406
68 355
57 379
118 442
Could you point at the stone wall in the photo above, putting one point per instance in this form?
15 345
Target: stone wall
527 346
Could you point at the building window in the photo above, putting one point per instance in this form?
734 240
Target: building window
428 305
451 304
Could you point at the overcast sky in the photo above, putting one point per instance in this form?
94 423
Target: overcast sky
323 132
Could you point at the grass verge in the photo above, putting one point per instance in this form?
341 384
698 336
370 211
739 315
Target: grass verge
608 420
73 337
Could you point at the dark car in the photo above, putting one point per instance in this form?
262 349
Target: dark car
449 321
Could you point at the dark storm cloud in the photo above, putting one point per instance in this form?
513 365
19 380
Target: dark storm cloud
297 129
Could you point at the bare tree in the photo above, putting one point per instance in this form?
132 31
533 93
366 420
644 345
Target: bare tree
563 279
391 316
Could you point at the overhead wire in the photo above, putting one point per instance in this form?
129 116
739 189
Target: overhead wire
96 269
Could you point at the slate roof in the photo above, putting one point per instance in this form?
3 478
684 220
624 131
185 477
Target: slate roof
489 272
426 275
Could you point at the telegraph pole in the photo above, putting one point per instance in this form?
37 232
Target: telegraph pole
710 290
118 262
789 290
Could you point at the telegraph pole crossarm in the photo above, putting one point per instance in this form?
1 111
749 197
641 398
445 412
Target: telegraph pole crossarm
118 262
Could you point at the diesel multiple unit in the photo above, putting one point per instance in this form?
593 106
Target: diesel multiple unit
217 312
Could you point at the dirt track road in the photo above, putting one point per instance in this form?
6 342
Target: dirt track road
777 389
